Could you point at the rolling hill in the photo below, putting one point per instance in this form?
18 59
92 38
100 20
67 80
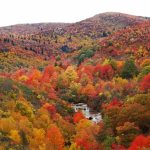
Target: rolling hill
52 39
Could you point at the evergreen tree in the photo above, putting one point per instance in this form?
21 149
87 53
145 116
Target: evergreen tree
129 69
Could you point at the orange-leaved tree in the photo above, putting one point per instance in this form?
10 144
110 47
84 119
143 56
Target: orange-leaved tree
55 140
77 117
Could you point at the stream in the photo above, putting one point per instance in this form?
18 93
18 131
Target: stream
87 112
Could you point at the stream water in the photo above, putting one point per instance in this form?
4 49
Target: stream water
87 112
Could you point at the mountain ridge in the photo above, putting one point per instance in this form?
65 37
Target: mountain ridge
12 28
71 40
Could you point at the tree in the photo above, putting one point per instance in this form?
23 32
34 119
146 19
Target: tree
54 138
52 93
140 142
141 117
86 132
77 117
7 124
50 108
114 103
145 62
145 83
107 72
121 84
89 90
71 74
18 74
86 141
68 130
14 135
83 125
75 88
42 119
129 69
34 77
38 135
81 58
48 72
74 147
86 71
145 71
97 70
127 133
111 112
89 53
111 62
66 77
73 92
104 71
85 54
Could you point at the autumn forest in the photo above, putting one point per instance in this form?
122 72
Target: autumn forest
47 68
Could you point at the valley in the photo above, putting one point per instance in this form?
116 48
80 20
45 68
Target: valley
100 64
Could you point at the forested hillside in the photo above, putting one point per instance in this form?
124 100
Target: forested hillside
103 61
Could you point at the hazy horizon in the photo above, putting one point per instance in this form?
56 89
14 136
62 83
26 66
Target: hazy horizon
66 11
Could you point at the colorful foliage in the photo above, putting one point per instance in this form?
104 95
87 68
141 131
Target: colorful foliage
140 142
77 117
47 68
145 83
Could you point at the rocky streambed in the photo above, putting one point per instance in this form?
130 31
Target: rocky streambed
87 112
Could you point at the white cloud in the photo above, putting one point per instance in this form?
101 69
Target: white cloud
33 11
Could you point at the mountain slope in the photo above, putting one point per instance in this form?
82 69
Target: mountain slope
102 24
132 41
49 40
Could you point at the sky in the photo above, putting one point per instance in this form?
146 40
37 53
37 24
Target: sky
36 11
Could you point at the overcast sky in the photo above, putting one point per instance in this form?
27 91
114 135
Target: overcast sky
35 11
